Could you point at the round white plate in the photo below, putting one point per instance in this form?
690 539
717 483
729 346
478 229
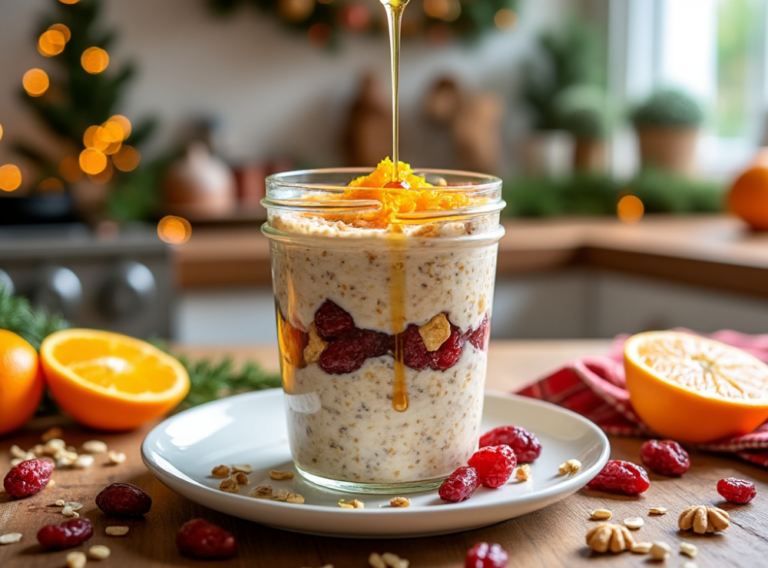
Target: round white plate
250 428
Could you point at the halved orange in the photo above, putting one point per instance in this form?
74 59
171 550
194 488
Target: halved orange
110 381
694 389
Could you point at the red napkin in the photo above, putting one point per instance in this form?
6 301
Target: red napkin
595 387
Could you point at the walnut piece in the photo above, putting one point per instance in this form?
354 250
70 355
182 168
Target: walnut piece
280 475
523 472
241 478
354 504
230 485
399 502
610 537
220 471
569 467
702 519
435 332
315 346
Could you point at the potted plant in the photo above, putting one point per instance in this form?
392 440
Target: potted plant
667 126
583 112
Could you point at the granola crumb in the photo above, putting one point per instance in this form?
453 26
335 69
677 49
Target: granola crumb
241 478
116 458
244 467
280 475
354 504
570 467
76 560
295 498
523 472
117 530
400 502
261 492
229 485
99 552
60 503
95 447
220 471
83 461
387 560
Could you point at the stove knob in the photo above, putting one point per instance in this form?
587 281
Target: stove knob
58 290
129 290
6 282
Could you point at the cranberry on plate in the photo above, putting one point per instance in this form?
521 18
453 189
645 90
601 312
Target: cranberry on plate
524 443
459 486
621 477
494 465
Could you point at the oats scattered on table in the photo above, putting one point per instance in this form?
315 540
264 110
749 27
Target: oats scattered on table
67 511
660 551
51 484
387 560
230 485
53 445
280 475
689 549
523 472
400 502
99 552
634 523
354 504
83 461
116 458
10 538
261 492
117 530
60 503
570 467
641 547
220 471
690 564
600 514
17 452
75 506
95 447
51 433
658 511
244 467
76 560
37 449
295 498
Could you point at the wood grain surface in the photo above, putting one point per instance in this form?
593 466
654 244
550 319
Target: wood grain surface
552 537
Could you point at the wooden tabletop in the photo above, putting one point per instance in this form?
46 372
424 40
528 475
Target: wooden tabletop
551 537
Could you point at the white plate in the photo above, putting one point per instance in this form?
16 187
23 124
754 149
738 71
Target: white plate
250 428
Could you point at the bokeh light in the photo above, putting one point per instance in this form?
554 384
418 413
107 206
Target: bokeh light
127 158
110 132
1 131
505 19
94 60
69 1
124 123
69 168
63 29
36 82
320 34
113 148
174 230
104 176
92 140
447 10
51 43
50 185
10 177
92 161
630 209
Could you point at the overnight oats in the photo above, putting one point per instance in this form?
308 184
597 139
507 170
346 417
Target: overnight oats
383 294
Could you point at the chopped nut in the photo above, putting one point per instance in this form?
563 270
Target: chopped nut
117 531
658 511
241 478
261 492
702 519
354 504
315 346
17 452
99 552
523 472
83 461
60 503
641 547
394 561
74 505
15 462
220 471
435 332
244 467
68 512
634 523
51 484
689 564
52 445
400 502
609 537
51 433
376 561
76 560
600 514
688 549
281 495
660 550
569 467
10 538
116 458
64 462
95 447
37 449
230 485
295 498
280 475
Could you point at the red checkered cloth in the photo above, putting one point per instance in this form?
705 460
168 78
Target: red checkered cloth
595 387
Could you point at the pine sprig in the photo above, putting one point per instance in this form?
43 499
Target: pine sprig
18 316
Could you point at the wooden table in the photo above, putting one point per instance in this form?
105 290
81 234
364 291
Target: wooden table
552 537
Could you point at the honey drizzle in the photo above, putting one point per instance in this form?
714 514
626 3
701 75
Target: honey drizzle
394 9
397 313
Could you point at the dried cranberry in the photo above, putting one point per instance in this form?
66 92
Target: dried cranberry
376 343
525 444
331 320
66 534
494 465
202 539
27 478
123 500
621 477
479 337
415 353
665 457
343 355
736 490
460 485
448 354
485 555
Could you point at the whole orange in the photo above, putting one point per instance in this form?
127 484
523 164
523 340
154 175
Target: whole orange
748 197
21 382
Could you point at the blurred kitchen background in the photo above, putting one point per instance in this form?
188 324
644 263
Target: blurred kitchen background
135 137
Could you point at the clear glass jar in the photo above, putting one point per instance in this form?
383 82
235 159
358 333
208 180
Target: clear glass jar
383 332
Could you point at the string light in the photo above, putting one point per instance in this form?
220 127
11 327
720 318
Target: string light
127 158
174 230
505 19
64 30
103 176
92 140
113 148
94 60
92 161
52 185
124 123
69 1
630 209
69 168
10 177
110 132
320 33
51 43
1 131
36 82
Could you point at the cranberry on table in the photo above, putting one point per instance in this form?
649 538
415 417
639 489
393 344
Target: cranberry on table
124 500
459 486
665 457
27 478
66 534
486 555
621 477
202 539
494 465
736 490
331 320
524 443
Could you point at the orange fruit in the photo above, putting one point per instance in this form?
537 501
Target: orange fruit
21 382
748 197
694 389
110 381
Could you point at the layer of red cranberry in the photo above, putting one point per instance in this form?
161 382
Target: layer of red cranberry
479 337
486 555
736 490
415 353
494 465
621 477
448 354
27 478
376 343
66 534
202 539
665 457
344 354
459 486
525 444
332 321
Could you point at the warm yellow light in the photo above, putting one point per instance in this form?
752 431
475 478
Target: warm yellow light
10 177
92 161
103 176
110 132
91 139
124 123
69 1
69 168
174 230
63 29
52 185
505 19
630 209
36 82
51 43
94 60
127 158
447 10
1 131
113 148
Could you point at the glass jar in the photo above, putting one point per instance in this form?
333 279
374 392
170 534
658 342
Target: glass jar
383 330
